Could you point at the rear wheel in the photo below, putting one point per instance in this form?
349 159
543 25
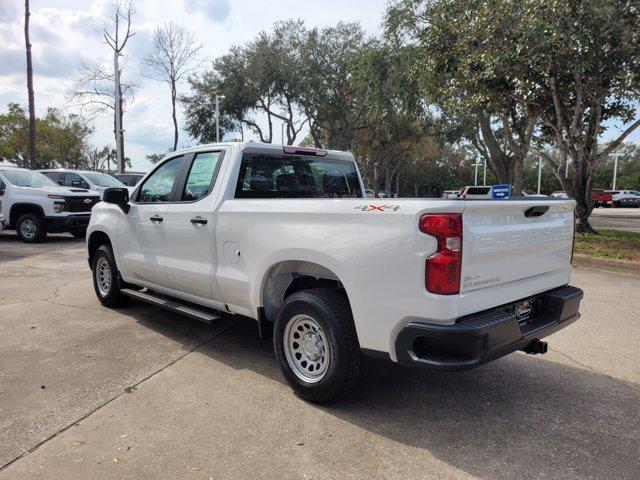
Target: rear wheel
30 228
316 345
105 278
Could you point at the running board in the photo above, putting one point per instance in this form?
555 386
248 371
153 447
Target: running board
172 305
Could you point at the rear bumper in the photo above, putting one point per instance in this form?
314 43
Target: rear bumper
64 224
485 336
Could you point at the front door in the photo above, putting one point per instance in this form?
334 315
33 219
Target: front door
190 230
141 233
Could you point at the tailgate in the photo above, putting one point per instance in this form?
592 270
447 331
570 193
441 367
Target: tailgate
513 249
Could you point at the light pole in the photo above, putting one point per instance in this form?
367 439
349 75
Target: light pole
218 97
615 169
484 175
282 133
476 165
539 173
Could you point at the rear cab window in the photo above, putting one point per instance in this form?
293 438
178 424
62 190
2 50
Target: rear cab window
293 176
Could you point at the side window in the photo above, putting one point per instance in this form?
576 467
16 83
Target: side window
158 187
74 180
199 180
55 176
3 187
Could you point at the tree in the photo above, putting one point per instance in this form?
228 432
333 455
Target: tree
32 107
172 56
156 157
62 139
325 61
586 77
94 94
393 117
455 45
261 82
123 12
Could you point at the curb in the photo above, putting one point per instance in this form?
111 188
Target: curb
607 264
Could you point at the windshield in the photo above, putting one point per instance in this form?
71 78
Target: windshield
102 179
27 178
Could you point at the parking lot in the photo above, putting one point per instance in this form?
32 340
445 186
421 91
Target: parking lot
88 392
627 219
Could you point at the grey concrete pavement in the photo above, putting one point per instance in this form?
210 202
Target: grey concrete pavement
209 401
627 219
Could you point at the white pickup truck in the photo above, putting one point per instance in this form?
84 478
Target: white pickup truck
34 205
286 236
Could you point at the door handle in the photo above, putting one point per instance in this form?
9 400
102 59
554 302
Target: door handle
199 220
156 218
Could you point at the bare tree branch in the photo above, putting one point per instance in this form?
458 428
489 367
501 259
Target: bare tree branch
173 55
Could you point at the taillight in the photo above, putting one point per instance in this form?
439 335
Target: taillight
442 273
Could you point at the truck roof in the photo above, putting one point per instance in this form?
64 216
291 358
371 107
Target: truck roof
260 147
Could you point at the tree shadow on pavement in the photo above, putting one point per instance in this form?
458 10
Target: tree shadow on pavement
518 417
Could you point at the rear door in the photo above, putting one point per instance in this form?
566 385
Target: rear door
513 249
141 233
190 229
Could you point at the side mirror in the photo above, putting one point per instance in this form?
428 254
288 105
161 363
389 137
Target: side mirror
117 196
60 182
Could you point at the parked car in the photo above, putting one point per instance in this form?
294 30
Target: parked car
34 205
559 194
623 198
630 201
531 193
477 191
213 231
601 198
129 179
96 181
370 193
451 194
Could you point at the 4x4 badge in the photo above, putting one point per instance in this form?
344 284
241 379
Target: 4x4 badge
378 208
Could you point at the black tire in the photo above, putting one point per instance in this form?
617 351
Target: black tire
111 296
79 232
330 310
30 228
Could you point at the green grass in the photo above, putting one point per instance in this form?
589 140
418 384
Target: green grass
610 244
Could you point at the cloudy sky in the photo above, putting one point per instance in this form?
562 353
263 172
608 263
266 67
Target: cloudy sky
67 33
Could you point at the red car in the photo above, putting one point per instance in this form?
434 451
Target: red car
600 198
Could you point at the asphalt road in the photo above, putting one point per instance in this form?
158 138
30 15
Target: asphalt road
627 219
139 393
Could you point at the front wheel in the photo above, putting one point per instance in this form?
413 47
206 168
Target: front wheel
316 344
105 278
30 228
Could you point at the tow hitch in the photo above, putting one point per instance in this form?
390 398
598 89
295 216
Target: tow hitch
536 347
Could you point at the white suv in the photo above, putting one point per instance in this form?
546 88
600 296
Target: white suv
34 205
96 181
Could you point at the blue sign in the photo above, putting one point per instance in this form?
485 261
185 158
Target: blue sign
501 192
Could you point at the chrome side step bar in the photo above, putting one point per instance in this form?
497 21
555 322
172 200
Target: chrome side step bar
171 304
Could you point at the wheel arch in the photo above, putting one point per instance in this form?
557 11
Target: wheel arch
19 209
95 240
286 277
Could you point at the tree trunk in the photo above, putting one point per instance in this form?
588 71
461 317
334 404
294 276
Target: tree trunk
518 179
173 114
32 107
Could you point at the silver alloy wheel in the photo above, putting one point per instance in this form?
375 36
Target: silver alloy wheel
306 348
103 276
28 229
